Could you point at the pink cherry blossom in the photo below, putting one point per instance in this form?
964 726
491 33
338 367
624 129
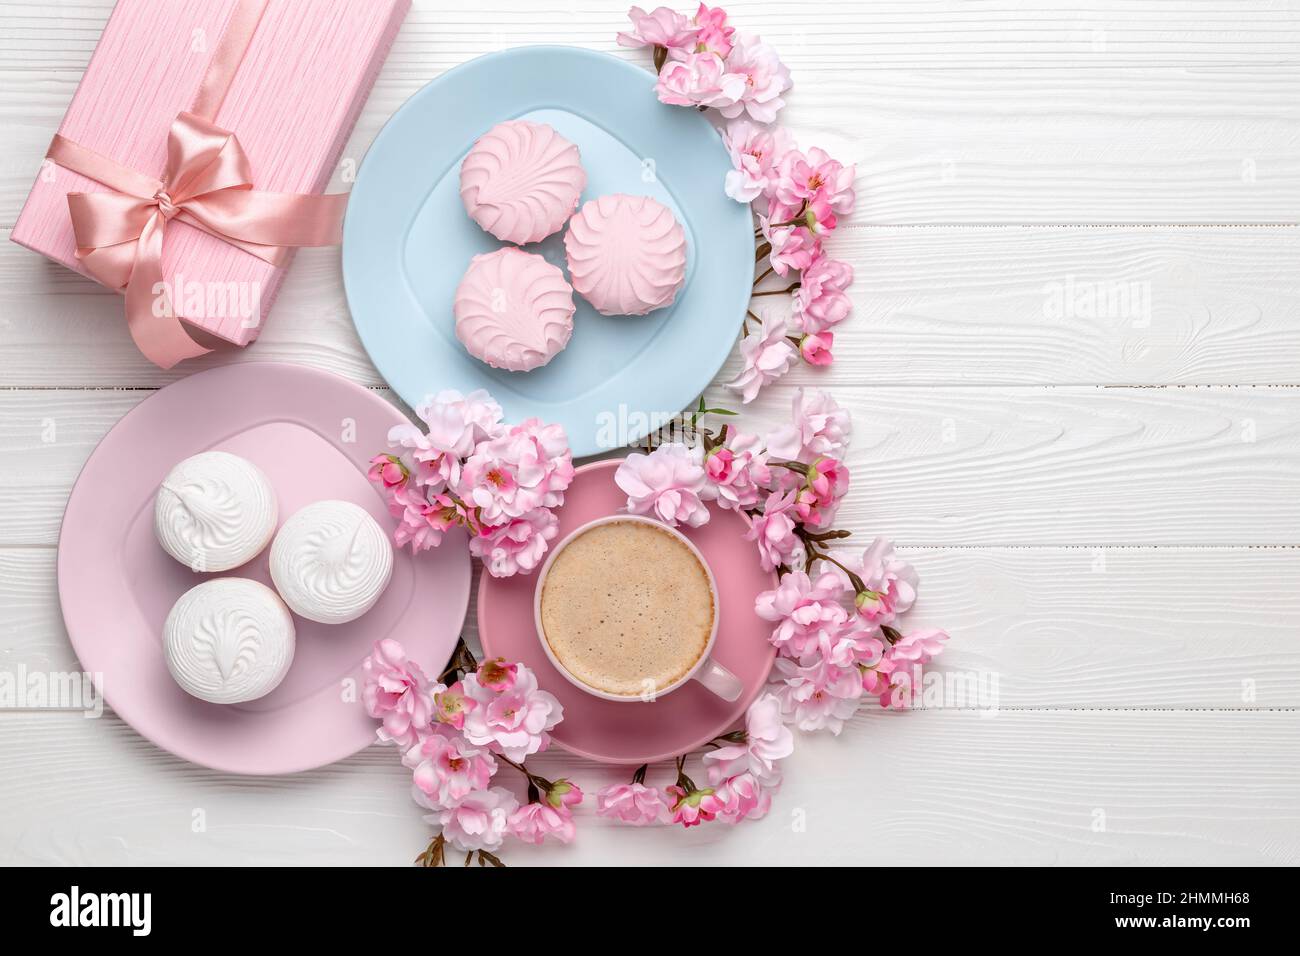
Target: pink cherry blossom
839 651
805 203
563 793
454 424
890 581
815 348
737 470
764 78
450 705
424 518
836 667
767 740
526 468
903 665
632 803
803 178
692 807
498 675
447 769
396 692
663 27
786 193
793 246
767 355
479 822
803 608
434 467
514 722
919 647
551 445
774 533
819 218
754 152
823 488
388 471
820 301
818 427
698 79
517 545
535 822
904 685
715 34
817 697
668 484
832 182
876 677
743 798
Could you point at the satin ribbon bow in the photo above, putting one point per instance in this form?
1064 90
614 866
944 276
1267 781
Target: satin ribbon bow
207 184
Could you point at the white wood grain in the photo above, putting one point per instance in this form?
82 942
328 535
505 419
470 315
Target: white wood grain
1129 787
838 35
1069 465
1120 136
1108 146
942 146
1056 627
1030 305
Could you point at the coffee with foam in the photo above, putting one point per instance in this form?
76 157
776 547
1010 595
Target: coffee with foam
627 608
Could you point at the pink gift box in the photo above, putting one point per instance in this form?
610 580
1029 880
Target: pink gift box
293 102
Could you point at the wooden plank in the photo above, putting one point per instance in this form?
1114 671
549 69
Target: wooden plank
47 311
1114 627
1029 305
1068 465
1100 467
1032 788
844 34
998 145
1017 145
1042 627
1109 146
1013 305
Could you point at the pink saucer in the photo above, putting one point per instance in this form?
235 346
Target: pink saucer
312 434
634 732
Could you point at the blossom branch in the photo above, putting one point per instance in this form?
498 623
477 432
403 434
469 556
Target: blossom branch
433 854
462 662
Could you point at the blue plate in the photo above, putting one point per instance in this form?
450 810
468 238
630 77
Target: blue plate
407 242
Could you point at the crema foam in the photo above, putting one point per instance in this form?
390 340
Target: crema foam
627 608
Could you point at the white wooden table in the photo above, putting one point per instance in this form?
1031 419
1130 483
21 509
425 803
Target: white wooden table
1104 504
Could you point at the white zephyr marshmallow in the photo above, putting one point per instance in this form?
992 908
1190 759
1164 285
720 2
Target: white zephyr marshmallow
214 511
228 640
331 561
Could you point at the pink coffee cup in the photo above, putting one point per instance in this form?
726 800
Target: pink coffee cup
713 676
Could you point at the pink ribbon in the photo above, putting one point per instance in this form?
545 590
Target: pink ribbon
208 184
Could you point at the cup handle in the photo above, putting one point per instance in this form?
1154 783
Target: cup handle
718 680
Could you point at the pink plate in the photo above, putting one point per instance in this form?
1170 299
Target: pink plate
311 433
636 732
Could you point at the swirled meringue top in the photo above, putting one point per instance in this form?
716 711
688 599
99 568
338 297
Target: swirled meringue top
228 640
627 254
521 181
514 310
214 511
331 562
